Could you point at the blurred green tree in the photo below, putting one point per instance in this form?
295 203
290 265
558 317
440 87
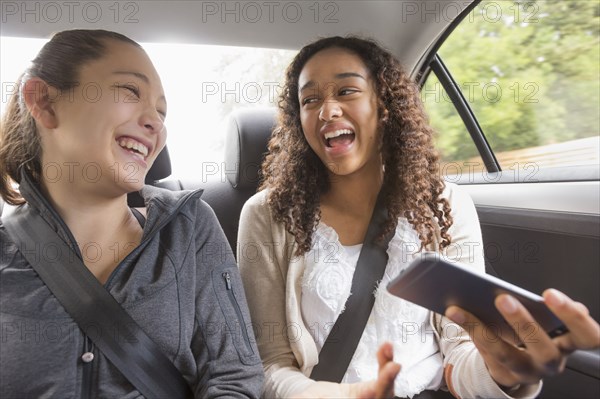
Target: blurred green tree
529 70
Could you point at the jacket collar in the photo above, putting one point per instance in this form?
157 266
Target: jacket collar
162 205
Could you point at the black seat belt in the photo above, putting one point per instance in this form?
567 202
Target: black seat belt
341 343
94 309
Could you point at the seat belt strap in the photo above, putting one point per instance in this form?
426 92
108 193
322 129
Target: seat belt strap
341 343
95 310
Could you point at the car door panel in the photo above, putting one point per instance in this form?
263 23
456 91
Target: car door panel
541 248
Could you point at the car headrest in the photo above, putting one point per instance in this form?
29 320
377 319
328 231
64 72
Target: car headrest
161 168
248 134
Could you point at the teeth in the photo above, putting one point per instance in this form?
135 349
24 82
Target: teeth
336 133
132 144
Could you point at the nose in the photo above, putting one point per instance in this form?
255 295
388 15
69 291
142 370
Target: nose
330 109
151 120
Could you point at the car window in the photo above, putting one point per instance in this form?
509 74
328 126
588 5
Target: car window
203 84
529 72
458 153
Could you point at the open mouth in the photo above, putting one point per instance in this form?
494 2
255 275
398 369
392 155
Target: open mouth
133 146
339 138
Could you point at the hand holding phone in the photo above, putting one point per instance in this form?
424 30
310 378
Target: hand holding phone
436 284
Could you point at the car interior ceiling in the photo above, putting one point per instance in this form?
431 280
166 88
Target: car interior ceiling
407 28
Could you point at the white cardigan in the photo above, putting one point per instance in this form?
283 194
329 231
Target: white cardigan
272 278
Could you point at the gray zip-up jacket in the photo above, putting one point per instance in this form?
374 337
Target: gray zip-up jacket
181 285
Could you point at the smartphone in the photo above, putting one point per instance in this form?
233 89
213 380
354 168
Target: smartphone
436 284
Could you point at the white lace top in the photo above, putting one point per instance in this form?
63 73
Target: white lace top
326 286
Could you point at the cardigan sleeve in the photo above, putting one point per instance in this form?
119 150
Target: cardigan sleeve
465 372
263 267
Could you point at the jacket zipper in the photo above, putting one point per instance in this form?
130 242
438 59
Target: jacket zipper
238 311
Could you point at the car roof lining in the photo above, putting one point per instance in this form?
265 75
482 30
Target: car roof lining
407 28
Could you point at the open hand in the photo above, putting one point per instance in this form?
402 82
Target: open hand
382 387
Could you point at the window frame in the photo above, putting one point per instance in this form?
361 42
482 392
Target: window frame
466 114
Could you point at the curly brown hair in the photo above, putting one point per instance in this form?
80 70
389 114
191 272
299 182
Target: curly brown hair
296 177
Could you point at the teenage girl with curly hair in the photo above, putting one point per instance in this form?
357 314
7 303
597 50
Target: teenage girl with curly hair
351 126
299 179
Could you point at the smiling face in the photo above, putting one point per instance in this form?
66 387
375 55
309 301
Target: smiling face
110 127
338 111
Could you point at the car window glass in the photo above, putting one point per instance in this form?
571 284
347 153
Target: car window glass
458 154
202 83
530 72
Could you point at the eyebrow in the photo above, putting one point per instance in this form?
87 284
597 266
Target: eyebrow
136 74
140 76
342 75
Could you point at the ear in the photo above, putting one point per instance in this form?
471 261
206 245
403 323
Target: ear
38 96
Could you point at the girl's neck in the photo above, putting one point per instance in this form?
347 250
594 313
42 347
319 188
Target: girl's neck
104 227
349 203
89 216
355 194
